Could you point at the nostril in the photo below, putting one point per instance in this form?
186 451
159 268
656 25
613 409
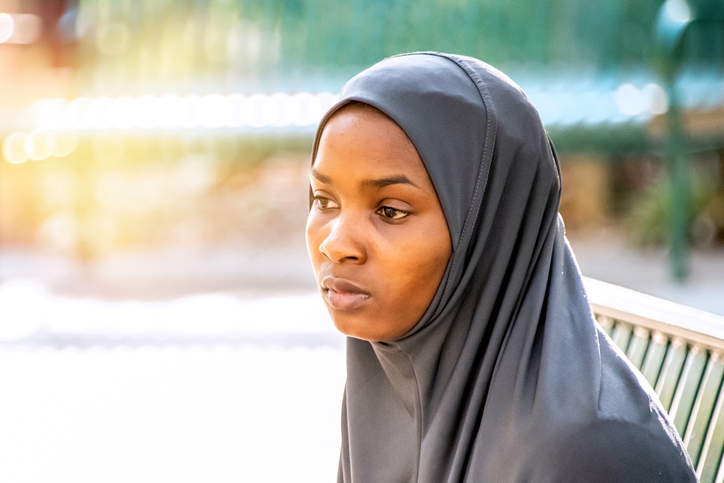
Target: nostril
346 239
338 250
327 249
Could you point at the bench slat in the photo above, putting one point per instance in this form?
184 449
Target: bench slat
680 351
686 388
702 420
670 371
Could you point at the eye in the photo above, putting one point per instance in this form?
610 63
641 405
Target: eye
392 214
325 204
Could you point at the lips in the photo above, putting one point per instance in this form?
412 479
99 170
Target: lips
343 295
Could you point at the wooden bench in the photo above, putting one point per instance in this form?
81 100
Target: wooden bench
680 351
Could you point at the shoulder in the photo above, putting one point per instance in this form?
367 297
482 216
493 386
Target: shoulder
615 450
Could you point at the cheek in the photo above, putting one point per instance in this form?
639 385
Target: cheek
413 272
418 267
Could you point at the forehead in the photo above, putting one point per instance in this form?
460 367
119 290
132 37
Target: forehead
361 139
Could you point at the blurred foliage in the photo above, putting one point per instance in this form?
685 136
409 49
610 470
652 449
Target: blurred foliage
120 192
650 214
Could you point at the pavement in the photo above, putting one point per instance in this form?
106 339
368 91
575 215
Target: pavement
167 366
612 260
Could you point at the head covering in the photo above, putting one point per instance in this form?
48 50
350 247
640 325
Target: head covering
507 377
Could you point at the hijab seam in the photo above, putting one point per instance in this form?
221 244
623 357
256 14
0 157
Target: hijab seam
490 119
474 209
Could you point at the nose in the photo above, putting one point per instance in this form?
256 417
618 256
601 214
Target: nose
345 241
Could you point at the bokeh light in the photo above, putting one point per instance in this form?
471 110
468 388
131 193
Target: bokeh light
6 27
40 144
14 148
629 100
66 141
20 28
211 111
656 99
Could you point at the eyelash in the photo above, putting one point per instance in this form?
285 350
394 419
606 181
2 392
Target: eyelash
322 204
382 211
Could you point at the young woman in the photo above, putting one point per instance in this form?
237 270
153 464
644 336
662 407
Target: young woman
436 242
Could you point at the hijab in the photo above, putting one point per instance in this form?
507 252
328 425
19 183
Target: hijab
506 377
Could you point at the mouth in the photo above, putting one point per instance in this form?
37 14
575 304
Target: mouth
343 295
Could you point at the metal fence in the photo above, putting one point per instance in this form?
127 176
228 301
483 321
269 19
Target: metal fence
311 45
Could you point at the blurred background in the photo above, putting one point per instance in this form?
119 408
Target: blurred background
158 316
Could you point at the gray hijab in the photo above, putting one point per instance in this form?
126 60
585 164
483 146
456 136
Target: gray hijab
506 378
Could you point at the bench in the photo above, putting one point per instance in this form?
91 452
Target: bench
680 351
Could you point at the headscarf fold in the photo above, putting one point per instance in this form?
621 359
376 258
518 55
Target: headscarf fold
507 377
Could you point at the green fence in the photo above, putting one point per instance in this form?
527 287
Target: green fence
310 45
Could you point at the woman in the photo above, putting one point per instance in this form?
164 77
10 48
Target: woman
436 242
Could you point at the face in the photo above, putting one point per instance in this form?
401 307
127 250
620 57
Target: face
376 233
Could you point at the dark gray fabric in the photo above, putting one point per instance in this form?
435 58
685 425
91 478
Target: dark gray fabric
506 378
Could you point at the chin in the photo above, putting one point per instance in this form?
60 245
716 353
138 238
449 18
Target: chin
363 330
351 328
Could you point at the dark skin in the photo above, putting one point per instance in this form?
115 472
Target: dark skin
376 233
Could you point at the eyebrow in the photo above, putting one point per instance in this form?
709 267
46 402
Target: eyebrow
371 183
382 182
321 177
